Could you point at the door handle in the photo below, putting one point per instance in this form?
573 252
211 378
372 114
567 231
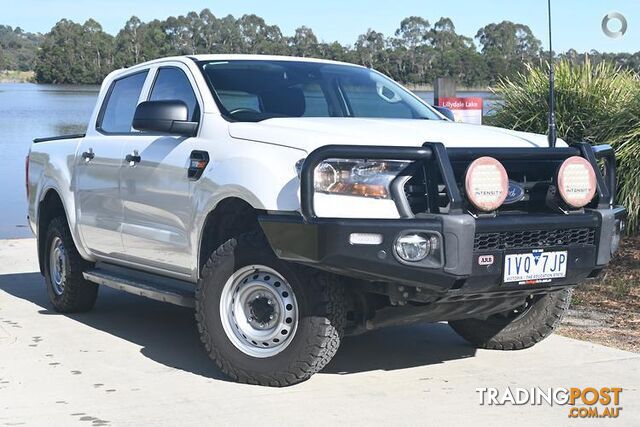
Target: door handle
134 158
88 155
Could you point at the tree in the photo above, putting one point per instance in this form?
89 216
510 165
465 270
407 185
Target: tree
206 31
507 47
129 43
417 53
455 55
411 54
18 47
75 54
369 48
258 37
96 51
304 42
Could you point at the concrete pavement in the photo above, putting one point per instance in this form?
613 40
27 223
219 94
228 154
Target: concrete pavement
133 361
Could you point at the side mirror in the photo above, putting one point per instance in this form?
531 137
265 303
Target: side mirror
169 116
445 112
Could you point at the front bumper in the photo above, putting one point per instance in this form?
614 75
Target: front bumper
325 243
587 235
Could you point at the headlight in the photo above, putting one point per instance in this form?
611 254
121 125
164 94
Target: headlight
576 182
361 178
486 183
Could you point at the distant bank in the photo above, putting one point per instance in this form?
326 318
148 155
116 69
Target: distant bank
12 76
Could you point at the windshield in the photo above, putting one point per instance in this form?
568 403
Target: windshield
251 91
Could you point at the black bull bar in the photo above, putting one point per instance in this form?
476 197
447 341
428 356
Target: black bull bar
437 154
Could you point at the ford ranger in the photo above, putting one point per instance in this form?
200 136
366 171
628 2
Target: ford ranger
290 201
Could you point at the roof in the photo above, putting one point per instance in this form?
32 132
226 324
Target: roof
230 57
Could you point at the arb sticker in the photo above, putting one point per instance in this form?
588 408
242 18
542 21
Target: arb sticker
485 260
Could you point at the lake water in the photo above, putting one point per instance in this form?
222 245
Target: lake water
30 111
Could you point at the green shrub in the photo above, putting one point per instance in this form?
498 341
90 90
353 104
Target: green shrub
598 104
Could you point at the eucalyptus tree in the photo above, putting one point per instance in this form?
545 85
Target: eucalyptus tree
507 47
304 42
74 53
129 43
258 37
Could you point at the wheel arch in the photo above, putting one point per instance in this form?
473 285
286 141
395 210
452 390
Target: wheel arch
230 216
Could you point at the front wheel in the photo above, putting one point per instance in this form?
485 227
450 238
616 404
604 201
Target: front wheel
520 328
265 321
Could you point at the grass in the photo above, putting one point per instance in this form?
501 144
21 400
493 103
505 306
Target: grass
607 310
599 104
14 76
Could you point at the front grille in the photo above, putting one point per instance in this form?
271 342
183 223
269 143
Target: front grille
533 239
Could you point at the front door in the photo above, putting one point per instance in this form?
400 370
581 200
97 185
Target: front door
155 188
98 167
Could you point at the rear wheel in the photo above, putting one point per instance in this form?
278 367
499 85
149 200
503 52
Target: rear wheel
519 328
265 321
68 291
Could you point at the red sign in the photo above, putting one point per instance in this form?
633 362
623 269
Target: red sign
467 110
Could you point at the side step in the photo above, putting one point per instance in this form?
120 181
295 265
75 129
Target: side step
146 285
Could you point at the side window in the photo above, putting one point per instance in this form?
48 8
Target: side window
121 103
173 84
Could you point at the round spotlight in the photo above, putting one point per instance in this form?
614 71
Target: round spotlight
486 184
413 247
576 182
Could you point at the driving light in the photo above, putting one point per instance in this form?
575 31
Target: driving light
365 238
486 184
413 247
576 182
361 178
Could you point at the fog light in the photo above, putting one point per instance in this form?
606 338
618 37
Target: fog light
413 247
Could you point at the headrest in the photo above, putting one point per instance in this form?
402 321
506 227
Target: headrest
287 101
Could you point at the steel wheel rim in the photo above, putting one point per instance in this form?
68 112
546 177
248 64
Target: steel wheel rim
58 265
259 311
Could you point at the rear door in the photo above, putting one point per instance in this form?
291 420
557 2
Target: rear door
99 161
155 190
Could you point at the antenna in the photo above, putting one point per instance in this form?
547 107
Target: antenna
552 134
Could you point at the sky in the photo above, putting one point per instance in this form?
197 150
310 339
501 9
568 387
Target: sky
576 24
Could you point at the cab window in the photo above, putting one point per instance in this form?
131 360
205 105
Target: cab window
120 104
172 84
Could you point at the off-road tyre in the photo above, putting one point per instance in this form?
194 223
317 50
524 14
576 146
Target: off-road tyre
78 295
322 315
500 332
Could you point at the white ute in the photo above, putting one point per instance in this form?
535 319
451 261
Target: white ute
291 201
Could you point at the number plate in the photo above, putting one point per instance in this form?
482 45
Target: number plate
536 266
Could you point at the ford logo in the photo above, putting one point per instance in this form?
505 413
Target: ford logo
515 193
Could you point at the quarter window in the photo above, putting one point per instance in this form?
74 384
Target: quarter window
173 84
121 104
